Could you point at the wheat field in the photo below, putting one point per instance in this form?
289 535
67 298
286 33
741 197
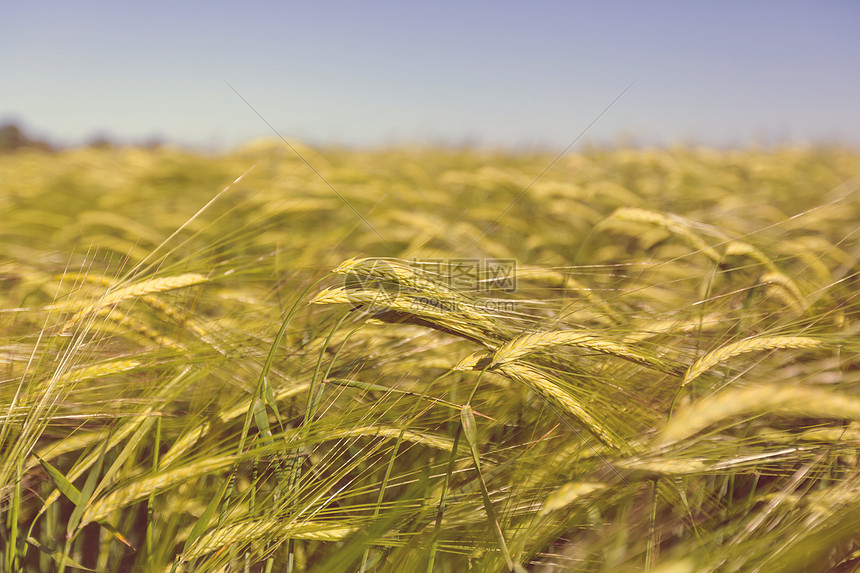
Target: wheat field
420 359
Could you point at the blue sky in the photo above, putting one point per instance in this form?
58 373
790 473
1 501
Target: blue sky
492 73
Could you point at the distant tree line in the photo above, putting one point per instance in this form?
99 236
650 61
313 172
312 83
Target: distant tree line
14 138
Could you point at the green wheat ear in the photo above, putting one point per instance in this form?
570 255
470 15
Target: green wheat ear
672 385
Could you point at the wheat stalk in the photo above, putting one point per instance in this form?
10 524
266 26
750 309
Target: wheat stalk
546 388
144 487
793 400
146 287
458 317
741 248
781 283
733 349
569 493
543 341
249 531
656 327
674 224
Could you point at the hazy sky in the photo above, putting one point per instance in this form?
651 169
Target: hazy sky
497 73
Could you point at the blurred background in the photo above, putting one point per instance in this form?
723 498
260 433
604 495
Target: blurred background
498 74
